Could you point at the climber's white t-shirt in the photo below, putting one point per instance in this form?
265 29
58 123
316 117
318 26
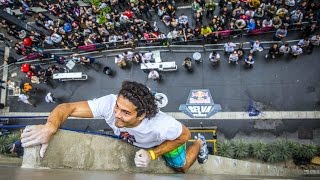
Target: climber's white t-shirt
149 133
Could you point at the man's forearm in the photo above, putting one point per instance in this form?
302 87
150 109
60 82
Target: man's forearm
58 116
170 145
63 111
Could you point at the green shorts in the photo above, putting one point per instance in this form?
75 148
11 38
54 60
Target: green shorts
177 157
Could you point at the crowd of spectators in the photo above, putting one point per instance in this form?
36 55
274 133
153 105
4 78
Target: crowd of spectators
120 22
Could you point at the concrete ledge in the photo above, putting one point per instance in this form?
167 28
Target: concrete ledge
220 115
90 152
10 161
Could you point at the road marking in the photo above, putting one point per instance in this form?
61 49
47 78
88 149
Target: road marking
270 115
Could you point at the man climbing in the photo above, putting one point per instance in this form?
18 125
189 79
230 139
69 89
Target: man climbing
134 116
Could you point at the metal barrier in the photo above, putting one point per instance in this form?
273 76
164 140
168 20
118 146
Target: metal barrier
212 130
162 43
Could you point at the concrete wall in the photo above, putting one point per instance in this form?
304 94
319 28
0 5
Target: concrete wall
90 152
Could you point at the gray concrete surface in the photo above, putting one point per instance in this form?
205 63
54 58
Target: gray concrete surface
280 85
90 152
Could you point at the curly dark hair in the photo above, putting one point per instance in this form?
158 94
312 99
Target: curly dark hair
141 97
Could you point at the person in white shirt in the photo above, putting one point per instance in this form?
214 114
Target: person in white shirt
304 43
315 40
256 46
56 38
120 61
25 99
128 55
183 21
134 116
296 50
229 47
284 49
234 57
50 98
147 57
48 40
214 58
48 24
267 22
296 16
153 74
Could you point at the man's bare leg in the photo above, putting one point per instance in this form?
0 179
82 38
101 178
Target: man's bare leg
191 155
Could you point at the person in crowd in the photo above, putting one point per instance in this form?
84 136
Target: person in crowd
304 44
284 49
259 13
273 51
296 16
229 47
137 58
276 22
280 33
240 24
310 29
166 19
108 71
88 61
195 6
240 51
25 99
286 21
255 46
154 74
251 25
249 61
214 58
282 12
183 21
315 40
187 63
205 31
49 98
120 61
128 55
147 57
234 57
210 7
267 23
296 50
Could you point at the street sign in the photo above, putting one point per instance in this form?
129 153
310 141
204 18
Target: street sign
200 104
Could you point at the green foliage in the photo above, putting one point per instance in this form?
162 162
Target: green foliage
3 144
225 149
102 17
241 149
11 138
278 151
96 2
303 151
259 150
7 140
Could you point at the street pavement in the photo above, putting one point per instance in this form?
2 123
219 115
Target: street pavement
281 84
